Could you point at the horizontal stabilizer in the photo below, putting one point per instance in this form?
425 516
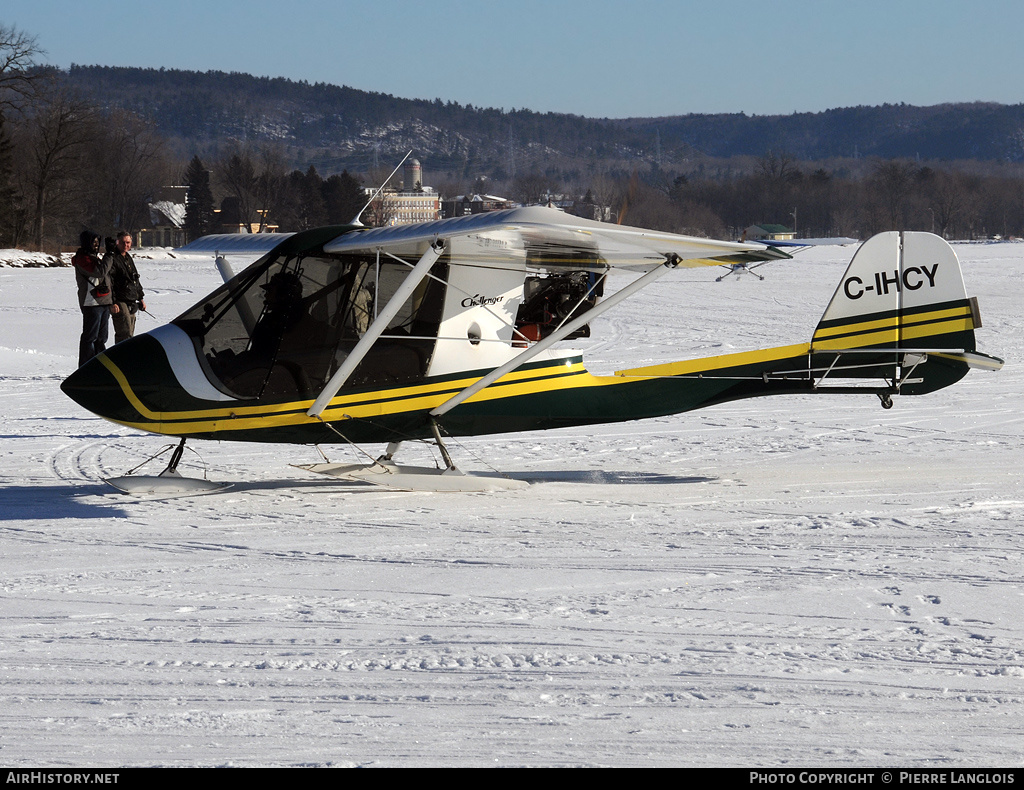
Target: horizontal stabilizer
974 359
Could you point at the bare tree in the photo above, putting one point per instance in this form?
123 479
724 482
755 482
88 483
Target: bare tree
777 179
699 220
602 190
134 166
948 200
12 204
532 188
270 184
893 183
236 176
379 212
18 81
777 168
53 141
973 206
645 206
451 188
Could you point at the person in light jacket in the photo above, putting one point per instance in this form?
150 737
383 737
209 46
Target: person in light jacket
92 274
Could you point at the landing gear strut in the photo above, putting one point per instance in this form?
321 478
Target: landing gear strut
448 462
168 482
172 467
385 472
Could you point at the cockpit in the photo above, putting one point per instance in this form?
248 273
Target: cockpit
283 326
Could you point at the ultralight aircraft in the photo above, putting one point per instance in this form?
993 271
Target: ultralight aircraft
451 328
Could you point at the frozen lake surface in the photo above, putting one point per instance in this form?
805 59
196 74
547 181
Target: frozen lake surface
791 581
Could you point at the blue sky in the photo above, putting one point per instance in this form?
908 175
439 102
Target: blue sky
594 58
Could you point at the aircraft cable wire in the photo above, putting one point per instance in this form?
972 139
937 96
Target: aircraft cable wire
163 450
343 436
469 452
405 437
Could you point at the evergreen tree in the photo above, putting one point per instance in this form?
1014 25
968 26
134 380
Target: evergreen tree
199 216
343 197
313 209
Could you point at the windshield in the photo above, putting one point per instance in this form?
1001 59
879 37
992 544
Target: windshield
282 327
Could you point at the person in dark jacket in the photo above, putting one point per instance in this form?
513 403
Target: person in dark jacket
92 274
129 297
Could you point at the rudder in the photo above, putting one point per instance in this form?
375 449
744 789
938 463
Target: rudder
901 290
903 297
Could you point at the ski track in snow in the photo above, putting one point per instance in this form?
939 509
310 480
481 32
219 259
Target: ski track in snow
780 582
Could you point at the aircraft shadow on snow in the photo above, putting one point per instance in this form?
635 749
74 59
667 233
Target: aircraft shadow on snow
48 503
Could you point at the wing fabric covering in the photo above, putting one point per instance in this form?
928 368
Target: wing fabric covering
545 238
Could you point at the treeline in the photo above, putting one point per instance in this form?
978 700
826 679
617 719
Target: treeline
318 122
65 166
258 194
962 202
321 121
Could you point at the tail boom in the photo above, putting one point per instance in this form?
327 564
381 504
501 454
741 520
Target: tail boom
900 323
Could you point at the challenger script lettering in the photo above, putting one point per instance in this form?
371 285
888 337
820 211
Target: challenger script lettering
481 301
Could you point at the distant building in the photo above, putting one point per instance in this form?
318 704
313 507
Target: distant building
768 233
588 209
412 202
464 205
412 173
228 219
166 219
402 208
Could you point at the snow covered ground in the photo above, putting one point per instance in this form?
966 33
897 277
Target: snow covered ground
793 581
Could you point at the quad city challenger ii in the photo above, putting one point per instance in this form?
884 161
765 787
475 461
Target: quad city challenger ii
451 328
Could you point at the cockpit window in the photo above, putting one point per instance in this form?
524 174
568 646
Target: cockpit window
282 328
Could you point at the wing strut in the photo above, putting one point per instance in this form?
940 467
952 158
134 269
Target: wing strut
671 261
376 329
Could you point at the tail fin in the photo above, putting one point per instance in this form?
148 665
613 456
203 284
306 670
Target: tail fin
903 297
900 289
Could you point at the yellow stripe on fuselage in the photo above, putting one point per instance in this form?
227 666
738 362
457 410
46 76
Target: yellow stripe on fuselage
865 340
397 400
938 328
857 334
694 366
